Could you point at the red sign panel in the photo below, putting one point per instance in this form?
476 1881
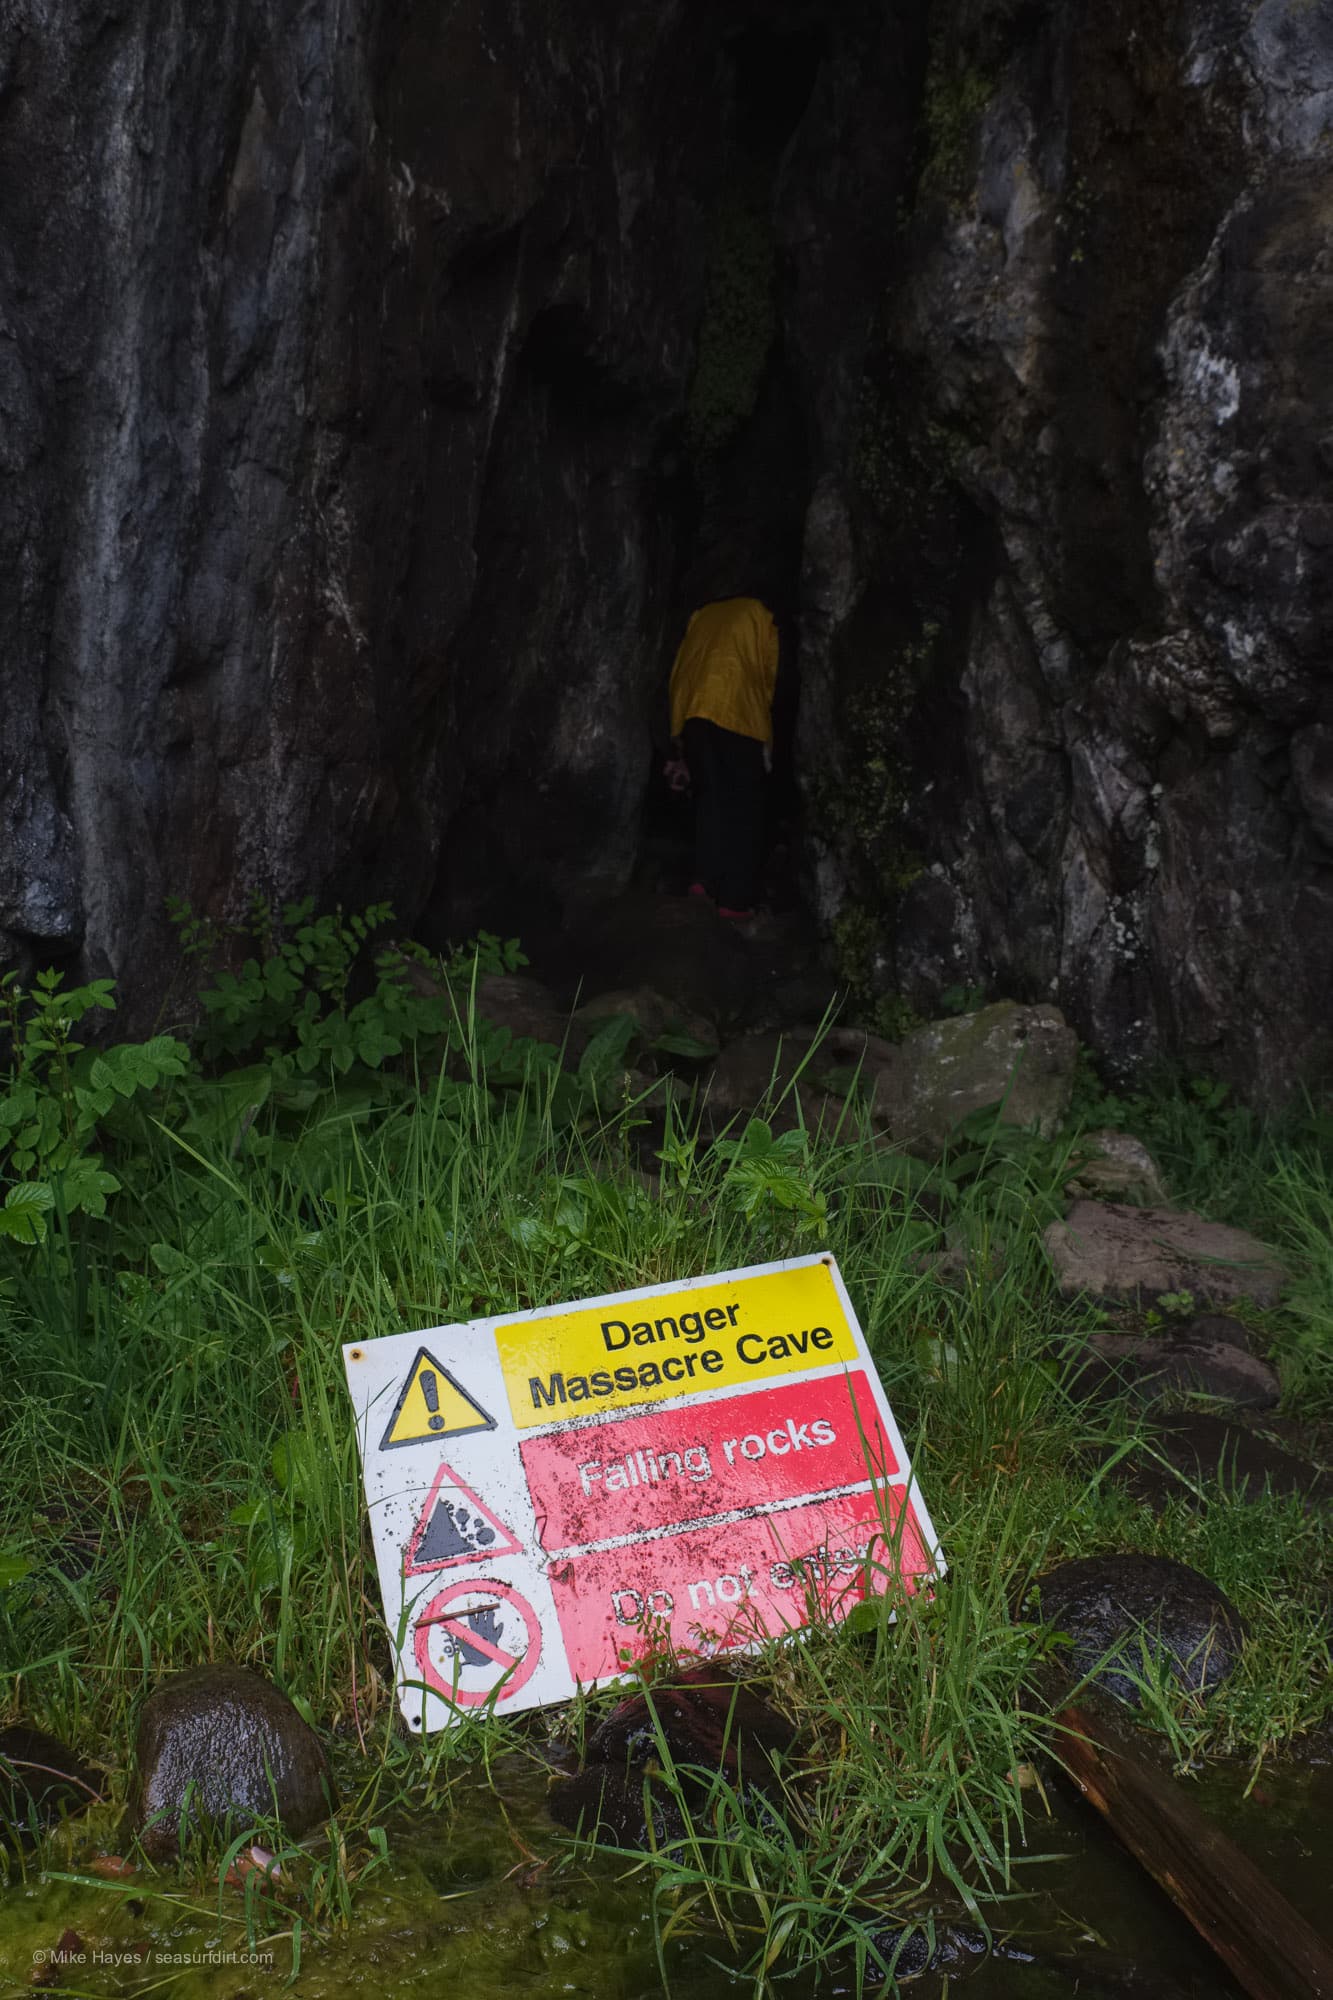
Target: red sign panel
711 1589
679 1464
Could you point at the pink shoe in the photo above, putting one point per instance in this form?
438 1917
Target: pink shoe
696 889
737 916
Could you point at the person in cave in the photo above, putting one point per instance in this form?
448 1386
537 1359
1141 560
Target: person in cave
721 695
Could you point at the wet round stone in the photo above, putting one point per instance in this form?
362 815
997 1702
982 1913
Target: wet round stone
706 1716
911 1953
41 1783
1114 1609
617 1809
707 1719
220 1747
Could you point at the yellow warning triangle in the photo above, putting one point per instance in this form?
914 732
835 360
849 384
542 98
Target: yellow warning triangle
432 1405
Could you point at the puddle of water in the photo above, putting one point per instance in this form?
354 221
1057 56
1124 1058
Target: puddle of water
461 1911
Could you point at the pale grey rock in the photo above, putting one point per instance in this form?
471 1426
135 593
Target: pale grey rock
914 1092
1115 1166
1020 1059
1106 1250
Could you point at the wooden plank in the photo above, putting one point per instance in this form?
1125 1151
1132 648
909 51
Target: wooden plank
1270 1949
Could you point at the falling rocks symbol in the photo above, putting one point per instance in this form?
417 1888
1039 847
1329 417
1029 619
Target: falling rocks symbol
455 1526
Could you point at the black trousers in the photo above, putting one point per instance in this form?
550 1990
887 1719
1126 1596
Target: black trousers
727 780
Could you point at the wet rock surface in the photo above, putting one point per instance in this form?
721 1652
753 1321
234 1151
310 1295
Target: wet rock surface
1107 1250
1190 1359
1114 1610
219 1746
42 1781
617 1808
1106 791
1189 1455
703 1716
1020 1058
910 1954
916 1091
707 1719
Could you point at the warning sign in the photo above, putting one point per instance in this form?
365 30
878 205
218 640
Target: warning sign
696 1466
432 1405
645 1347
455 1527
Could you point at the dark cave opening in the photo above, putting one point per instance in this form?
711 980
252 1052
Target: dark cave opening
774 73
738 512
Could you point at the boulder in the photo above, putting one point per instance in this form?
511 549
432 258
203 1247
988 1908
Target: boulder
220 1746
705 1716
709 1720
675 946
811 1072
1185 1456
42 1781
653 1014
528 1009
917 1090
1022 1058
1152 1368
1112 1610
1115 1166
617 1809
1106 1250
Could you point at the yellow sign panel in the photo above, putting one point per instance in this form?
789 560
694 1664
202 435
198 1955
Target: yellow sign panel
642 1349
432 1405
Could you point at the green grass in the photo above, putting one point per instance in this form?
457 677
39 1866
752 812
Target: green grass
183 1482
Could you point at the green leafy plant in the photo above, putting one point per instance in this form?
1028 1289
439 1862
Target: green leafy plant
60 1095
769 1177
281 1527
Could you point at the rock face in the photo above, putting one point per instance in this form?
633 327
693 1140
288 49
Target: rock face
1113 1609
220 1744
1105 1250
1067 602
355 475
336 351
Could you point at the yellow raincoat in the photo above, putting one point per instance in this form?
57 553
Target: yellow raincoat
726 669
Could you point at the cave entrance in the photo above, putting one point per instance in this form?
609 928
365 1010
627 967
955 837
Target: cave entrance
742 483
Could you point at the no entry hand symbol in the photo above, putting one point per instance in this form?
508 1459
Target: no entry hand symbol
477 1642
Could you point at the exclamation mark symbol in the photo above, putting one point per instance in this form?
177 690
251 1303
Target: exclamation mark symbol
430 1389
